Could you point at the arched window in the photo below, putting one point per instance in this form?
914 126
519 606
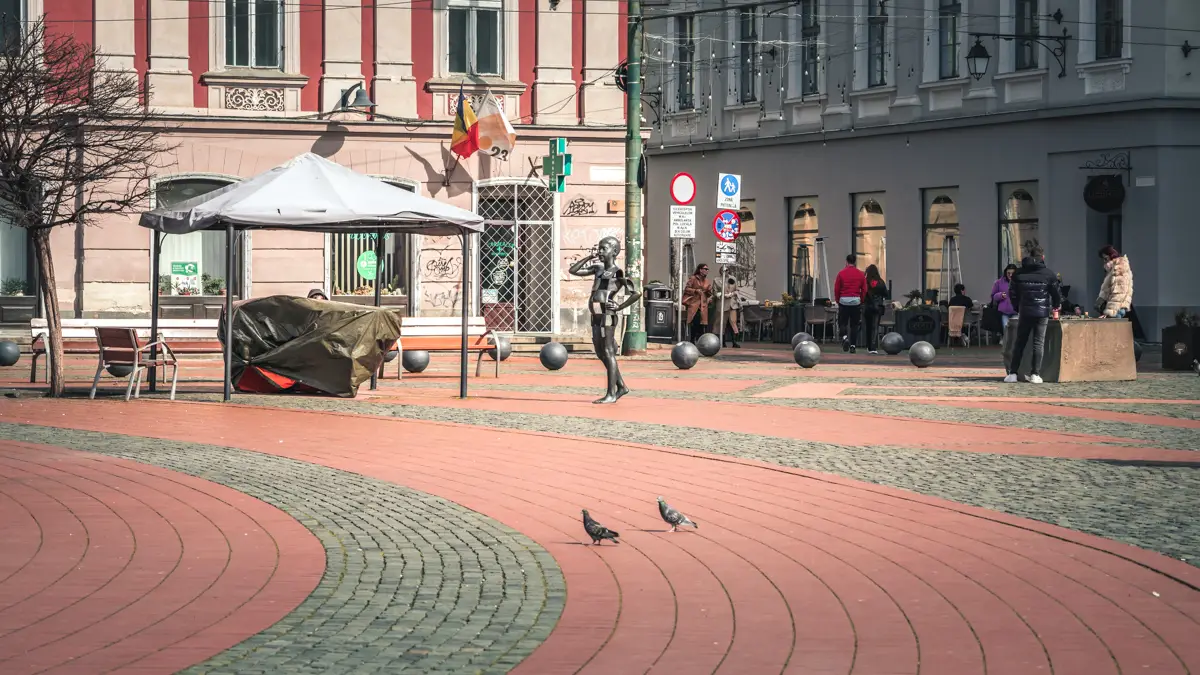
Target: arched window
1018 222
802 244
870 233
941 250
193 264
347 249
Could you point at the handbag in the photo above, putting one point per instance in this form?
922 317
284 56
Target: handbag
991 320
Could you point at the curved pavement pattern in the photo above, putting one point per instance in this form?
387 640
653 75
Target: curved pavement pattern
412 583
790 571
110 564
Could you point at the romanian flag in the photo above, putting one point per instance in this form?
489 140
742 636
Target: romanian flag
465 141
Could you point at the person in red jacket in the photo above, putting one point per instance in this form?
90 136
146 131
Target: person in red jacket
850 290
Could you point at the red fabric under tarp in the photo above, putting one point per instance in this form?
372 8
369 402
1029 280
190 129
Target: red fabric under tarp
256 380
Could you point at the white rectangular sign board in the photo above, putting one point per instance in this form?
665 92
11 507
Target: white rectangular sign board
726 253
729 191
683 222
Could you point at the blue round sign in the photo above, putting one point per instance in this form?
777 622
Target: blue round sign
727 225
729 185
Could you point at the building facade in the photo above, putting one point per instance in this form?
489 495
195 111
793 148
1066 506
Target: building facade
866 124
246 85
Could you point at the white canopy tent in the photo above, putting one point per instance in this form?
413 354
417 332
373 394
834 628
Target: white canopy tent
311 194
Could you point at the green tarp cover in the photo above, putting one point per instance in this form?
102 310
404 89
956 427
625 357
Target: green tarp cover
332 347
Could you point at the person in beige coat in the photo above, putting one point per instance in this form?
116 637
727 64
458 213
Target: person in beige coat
1116 293
697 295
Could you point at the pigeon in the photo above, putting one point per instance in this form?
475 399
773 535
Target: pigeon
674 518
598 532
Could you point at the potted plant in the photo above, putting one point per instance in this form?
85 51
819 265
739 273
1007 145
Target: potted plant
13 287
914 298
1181 341
211 285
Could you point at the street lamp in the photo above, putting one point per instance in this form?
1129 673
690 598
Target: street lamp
361 102
978 57
977 60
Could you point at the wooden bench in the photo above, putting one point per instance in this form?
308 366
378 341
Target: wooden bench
444 334
186 336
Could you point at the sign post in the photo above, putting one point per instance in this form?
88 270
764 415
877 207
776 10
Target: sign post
683 226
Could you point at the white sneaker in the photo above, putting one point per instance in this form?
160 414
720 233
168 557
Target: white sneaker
1011 378
873 352
1035 379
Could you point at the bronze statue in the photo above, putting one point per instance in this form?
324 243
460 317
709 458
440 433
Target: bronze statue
608 280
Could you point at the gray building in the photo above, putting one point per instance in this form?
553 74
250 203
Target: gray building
867 124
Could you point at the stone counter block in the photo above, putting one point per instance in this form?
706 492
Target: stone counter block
1081 350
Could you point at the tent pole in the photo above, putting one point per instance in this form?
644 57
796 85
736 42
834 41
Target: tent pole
154 302
228 390
465 300
379 267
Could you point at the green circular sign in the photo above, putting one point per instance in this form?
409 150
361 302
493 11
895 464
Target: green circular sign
367 265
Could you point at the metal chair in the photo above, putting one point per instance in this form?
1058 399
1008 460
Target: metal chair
121 347
888 320
816 315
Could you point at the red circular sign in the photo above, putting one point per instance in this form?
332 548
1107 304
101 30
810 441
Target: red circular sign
727 225
683 188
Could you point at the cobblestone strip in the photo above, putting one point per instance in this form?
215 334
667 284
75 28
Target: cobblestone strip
413 583
1160 437
1152 507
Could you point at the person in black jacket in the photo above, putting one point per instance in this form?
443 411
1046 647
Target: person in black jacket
878 296
1035 295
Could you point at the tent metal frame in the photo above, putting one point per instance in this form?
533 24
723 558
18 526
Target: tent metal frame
232 231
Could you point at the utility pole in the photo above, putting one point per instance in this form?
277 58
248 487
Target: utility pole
635 334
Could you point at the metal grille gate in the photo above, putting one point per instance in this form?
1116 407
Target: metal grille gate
516 258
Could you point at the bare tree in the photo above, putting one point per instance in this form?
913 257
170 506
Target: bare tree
77 143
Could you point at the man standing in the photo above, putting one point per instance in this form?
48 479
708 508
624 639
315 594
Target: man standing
850 290
1035 296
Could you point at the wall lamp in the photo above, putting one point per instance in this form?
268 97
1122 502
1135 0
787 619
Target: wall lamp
360 103
978 56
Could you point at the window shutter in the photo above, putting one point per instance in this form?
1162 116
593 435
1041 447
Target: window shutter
733 70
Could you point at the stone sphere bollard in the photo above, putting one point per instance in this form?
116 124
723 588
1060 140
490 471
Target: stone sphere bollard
415 360
505 348
892 343
922 354
807 354
10 353
390 356
801 337
553 356
708 344
119 369
685 355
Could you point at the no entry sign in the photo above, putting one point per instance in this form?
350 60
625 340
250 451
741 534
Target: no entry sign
727 225
683 188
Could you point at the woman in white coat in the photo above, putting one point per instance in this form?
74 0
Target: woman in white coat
1116 293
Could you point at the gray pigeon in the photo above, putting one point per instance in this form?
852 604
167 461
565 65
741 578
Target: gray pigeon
597 531
674 518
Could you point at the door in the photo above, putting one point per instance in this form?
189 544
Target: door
516 258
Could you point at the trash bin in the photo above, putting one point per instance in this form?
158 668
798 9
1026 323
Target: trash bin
660 313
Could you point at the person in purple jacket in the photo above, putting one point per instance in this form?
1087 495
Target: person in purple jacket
1000 297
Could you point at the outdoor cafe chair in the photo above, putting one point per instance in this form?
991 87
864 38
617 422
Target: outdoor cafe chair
954 326
817 315
121 347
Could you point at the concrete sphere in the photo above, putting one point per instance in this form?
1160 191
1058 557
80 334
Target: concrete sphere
505 348
119 370
685 355
553 356
390 356
415 361
807 354
922 354
892 343
801 337
708 344
10 353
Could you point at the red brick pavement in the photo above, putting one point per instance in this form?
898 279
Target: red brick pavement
109 564
790 571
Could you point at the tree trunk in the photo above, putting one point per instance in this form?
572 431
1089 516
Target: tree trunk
49 291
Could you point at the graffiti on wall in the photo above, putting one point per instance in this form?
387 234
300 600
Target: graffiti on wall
580 206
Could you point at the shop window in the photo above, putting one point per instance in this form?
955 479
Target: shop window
347 250
802 242
16 269
941 243
193 264
1018 222
870 233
